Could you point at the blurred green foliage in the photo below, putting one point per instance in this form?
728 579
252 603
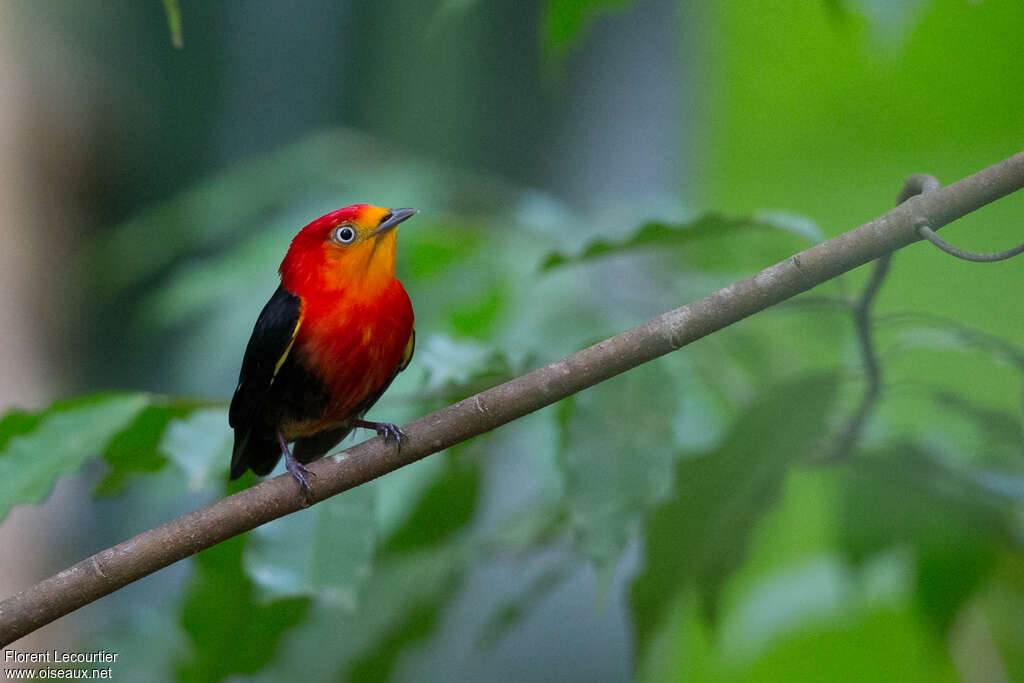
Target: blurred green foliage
40 447
722 495
173 10
758 560
563 20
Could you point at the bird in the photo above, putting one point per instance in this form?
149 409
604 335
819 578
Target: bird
328 343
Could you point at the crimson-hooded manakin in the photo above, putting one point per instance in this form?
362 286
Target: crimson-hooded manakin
329 342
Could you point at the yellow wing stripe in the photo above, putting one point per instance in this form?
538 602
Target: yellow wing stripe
407 353
291 343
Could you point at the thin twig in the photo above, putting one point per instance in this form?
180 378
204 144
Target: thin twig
919 183
945 246
151 550
861 310
915 184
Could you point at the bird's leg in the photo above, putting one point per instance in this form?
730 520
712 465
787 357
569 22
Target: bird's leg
296 468
390 432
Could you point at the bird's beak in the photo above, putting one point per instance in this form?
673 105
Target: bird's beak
392 218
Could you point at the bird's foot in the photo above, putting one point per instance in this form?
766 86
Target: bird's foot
297 470
387 431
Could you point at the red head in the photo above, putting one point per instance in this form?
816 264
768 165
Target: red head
352 247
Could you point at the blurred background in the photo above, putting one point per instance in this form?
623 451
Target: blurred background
580 166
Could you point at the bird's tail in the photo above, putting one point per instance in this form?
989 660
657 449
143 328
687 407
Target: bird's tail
256 451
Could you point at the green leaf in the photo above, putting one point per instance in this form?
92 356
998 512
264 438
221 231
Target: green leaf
418 622
999 435
922 330
447 506
135 450
173 11
512 612
700 535
397 609
231 632
152 627
562 21
199 444
616 456
17 422
326 551
58 441
901 496
875 645
897 493
756 239
542 523
1003 613
416 572
456 369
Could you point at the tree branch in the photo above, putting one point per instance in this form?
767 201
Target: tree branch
135 558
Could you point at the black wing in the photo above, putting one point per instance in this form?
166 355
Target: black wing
271 341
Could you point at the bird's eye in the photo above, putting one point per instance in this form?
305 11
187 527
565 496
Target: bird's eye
344 234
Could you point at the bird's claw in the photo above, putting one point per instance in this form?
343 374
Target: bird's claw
390 432
299 472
